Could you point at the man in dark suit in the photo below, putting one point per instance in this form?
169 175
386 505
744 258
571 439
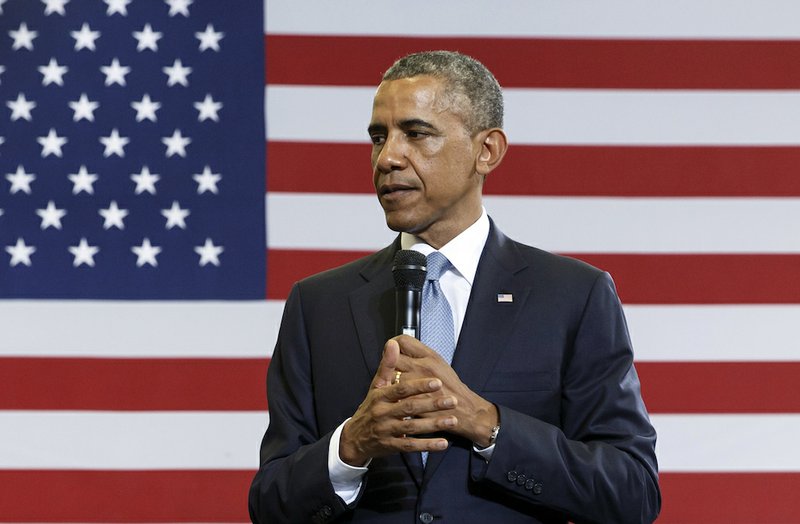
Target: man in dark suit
538 418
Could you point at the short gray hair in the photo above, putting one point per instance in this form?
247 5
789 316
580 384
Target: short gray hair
464 76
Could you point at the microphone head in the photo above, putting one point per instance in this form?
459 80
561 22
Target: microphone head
409 269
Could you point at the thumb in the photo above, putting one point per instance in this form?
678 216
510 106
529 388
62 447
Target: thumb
386 369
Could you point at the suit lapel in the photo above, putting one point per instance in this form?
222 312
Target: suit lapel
489 321
372 306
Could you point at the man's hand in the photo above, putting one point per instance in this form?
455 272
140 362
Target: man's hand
393 411
475 416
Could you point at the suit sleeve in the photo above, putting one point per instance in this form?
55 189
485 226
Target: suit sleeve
598 464
292 484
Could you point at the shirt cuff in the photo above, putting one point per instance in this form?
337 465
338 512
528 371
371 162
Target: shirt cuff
346 479
486 453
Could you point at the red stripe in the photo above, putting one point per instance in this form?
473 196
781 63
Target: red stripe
720 387
563 170
124 496
133 384
722 498
123 385
546 63
640 278
220 496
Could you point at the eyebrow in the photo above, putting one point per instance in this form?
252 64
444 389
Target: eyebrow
404 124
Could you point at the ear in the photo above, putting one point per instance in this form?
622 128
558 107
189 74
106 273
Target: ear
493 146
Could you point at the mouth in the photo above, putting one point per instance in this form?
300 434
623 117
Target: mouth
394 190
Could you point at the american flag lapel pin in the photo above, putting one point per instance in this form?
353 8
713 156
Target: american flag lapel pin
505 298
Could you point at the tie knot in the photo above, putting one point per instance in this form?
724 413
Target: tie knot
437 263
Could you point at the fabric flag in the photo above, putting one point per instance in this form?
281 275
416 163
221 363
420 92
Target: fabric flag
656 141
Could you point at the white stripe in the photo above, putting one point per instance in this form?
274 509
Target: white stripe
714 333
681 333
113 329
564 18
728 443
562 224
138 441
215 440
565 116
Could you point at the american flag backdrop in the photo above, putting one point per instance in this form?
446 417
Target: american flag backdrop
657 140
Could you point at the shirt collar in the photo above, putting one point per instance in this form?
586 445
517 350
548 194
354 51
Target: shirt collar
464 251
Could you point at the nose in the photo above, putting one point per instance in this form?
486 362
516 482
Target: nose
391 155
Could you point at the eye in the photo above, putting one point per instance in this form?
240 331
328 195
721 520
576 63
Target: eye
377 140
416 134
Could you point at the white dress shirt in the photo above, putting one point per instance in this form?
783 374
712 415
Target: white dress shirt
463 252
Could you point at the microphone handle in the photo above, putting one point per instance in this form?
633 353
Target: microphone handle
408 302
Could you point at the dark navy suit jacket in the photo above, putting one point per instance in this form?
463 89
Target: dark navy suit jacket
576 442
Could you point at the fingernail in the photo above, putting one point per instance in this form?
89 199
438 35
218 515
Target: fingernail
433 383
448 402
442 444
451 421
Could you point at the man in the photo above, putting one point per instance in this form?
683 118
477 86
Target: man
537 419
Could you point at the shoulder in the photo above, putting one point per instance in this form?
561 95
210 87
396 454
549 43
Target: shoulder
349 275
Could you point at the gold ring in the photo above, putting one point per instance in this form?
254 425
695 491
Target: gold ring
397 377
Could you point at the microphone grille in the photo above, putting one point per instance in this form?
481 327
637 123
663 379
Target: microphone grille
409 269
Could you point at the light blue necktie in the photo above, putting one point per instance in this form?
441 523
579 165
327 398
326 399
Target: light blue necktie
436 317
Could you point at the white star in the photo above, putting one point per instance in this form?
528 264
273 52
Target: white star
179 7
51 216
20 253
54 6
146 253
113 216
82 181
208 109
1 5
178 74
209 39
145 181
115 73
176 144
21 108
83 108
84 39
53 73
83 253
117 6
2 70
114 143
146 109
207 181
209 253
148 39
23 37
51 144
175 216
20 181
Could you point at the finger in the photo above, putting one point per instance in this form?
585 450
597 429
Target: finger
410 444
386 369
421 405
424 426
412 347
409 388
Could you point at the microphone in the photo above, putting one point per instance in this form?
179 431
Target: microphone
409 271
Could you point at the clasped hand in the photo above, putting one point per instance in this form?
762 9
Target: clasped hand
428 398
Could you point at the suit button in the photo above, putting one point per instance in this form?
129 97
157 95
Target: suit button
521 480
537 488
426 518
529 484
326 511
512 476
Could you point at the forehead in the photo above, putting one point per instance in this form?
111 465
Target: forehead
415 97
